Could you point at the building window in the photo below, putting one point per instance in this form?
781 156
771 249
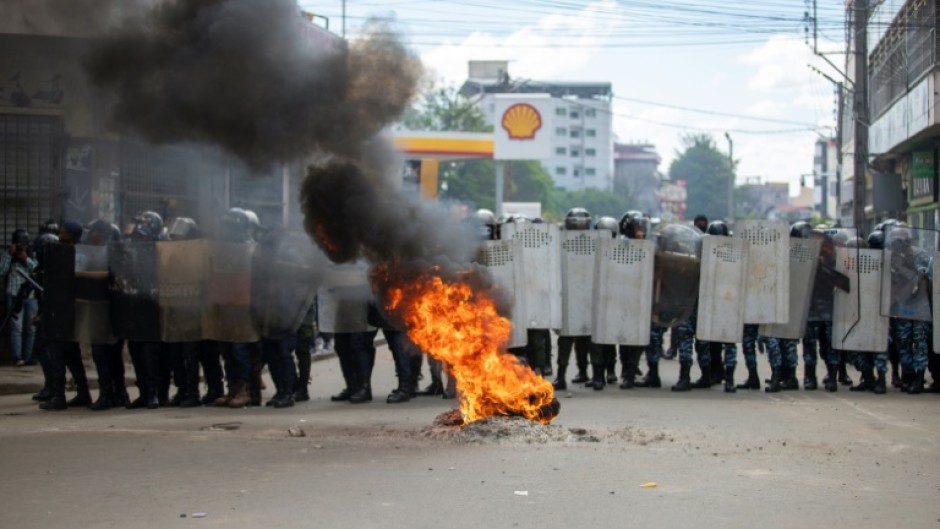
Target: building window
577 171
575 152
561 131
561 150
575 114
590 152
575 133
590 113
561 111
590 133
589 171
560 170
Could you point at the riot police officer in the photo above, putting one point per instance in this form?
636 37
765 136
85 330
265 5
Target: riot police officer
687 341
603 357
145 355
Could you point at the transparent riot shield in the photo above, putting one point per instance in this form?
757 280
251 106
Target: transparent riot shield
623 291
182 274
767 296
503 260
676 277
857 323
722 290
135 310
92 295
285 279
343 299
578 249
227 316
905 287
804 256
541 262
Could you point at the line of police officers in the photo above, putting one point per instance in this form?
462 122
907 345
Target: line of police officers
909 346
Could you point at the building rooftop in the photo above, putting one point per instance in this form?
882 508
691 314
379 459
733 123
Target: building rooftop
585 90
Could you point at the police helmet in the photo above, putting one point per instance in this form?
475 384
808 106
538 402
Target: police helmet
876 240
182 229
801 230
607 223
148 225
718 227
634 225
19 236
577 219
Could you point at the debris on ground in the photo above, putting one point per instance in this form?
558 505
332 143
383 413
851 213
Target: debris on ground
223 426
296 431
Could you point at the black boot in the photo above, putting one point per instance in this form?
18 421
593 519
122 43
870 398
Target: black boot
434 389
729 380
684 383
717 371
342 395
43 395
917 384
788 381
400 394
774 385
612 373
581 378
597 381
880 387
809 378
832 379
866 381
81 400
907 378
560 382
651 380
301 394
753 380
55 402
629 376
704 381
363 394
104 401
896 381
844 377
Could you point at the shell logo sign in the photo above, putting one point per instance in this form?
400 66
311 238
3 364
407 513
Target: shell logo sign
521 121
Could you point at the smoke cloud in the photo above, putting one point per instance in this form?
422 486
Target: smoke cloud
73 18
246 76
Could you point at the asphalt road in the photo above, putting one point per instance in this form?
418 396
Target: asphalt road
795 459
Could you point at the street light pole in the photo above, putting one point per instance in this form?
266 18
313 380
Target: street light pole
730 177
344 19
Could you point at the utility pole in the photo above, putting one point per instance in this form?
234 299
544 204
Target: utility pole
861 111
730 178
344 19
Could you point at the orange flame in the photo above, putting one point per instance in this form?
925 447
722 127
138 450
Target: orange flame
461 327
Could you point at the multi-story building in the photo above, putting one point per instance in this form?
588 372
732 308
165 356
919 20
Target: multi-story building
903 54
636 175
582 142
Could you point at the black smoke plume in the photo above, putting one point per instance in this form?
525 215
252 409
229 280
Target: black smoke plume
245 75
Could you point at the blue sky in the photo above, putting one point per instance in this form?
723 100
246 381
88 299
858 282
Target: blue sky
729 61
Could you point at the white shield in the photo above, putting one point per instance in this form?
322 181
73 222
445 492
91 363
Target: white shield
343 299
540 259
857 323
578 249
804 256
623 291
767 298
904 292
503 259
722 289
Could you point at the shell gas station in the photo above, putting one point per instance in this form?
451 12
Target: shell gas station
424 150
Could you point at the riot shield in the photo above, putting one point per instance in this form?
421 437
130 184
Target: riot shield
722 290
343 299
623 291
935 293
904 292
541 262
285 278
857 323
804 256
578 248
767 295
502 258
227 316
58 299
826 281
92 296
135 310
676 276
182 274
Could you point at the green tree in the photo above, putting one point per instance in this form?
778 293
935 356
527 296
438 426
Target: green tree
444 109
707 172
